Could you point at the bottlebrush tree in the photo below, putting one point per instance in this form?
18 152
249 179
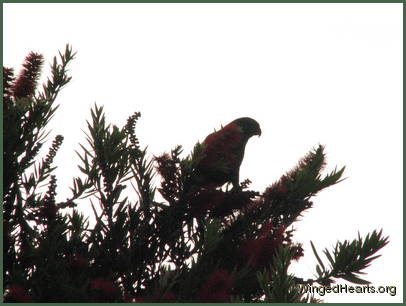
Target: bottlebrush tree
201 244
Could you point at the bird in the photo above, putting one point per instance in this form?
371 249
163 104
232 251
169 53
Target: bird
223 152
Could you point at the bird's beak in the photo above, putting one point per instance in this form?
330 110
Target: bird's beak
259 132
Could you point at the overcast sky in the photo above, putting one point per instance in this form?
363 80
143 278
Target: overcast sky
308 73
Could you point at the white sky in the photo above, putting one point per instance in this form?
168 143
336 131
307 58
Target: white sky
308 73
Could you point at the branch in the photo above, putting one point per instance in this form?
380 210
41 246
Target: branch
348 259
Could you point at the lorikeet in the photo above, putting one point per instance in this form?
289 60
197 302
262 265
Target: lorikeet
223 152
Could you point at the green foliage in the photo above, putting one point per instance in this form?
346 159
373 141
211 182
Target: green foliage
277 284
348 259
305 180
198 244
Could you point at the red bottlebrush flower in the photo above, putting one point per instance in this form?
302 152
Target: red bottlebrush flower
278 234
260 251
231 201
49 211
107 291
282 188
223 152
168 169
217 287
257 252
205 200
16 294
278 190
26 82
78 263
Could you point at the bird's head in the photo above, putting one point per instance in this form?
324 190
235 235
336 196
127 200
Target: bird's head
249 126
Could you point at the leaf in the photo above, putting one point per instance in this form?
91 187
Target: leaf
319 272
356 280
317 256
329 257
